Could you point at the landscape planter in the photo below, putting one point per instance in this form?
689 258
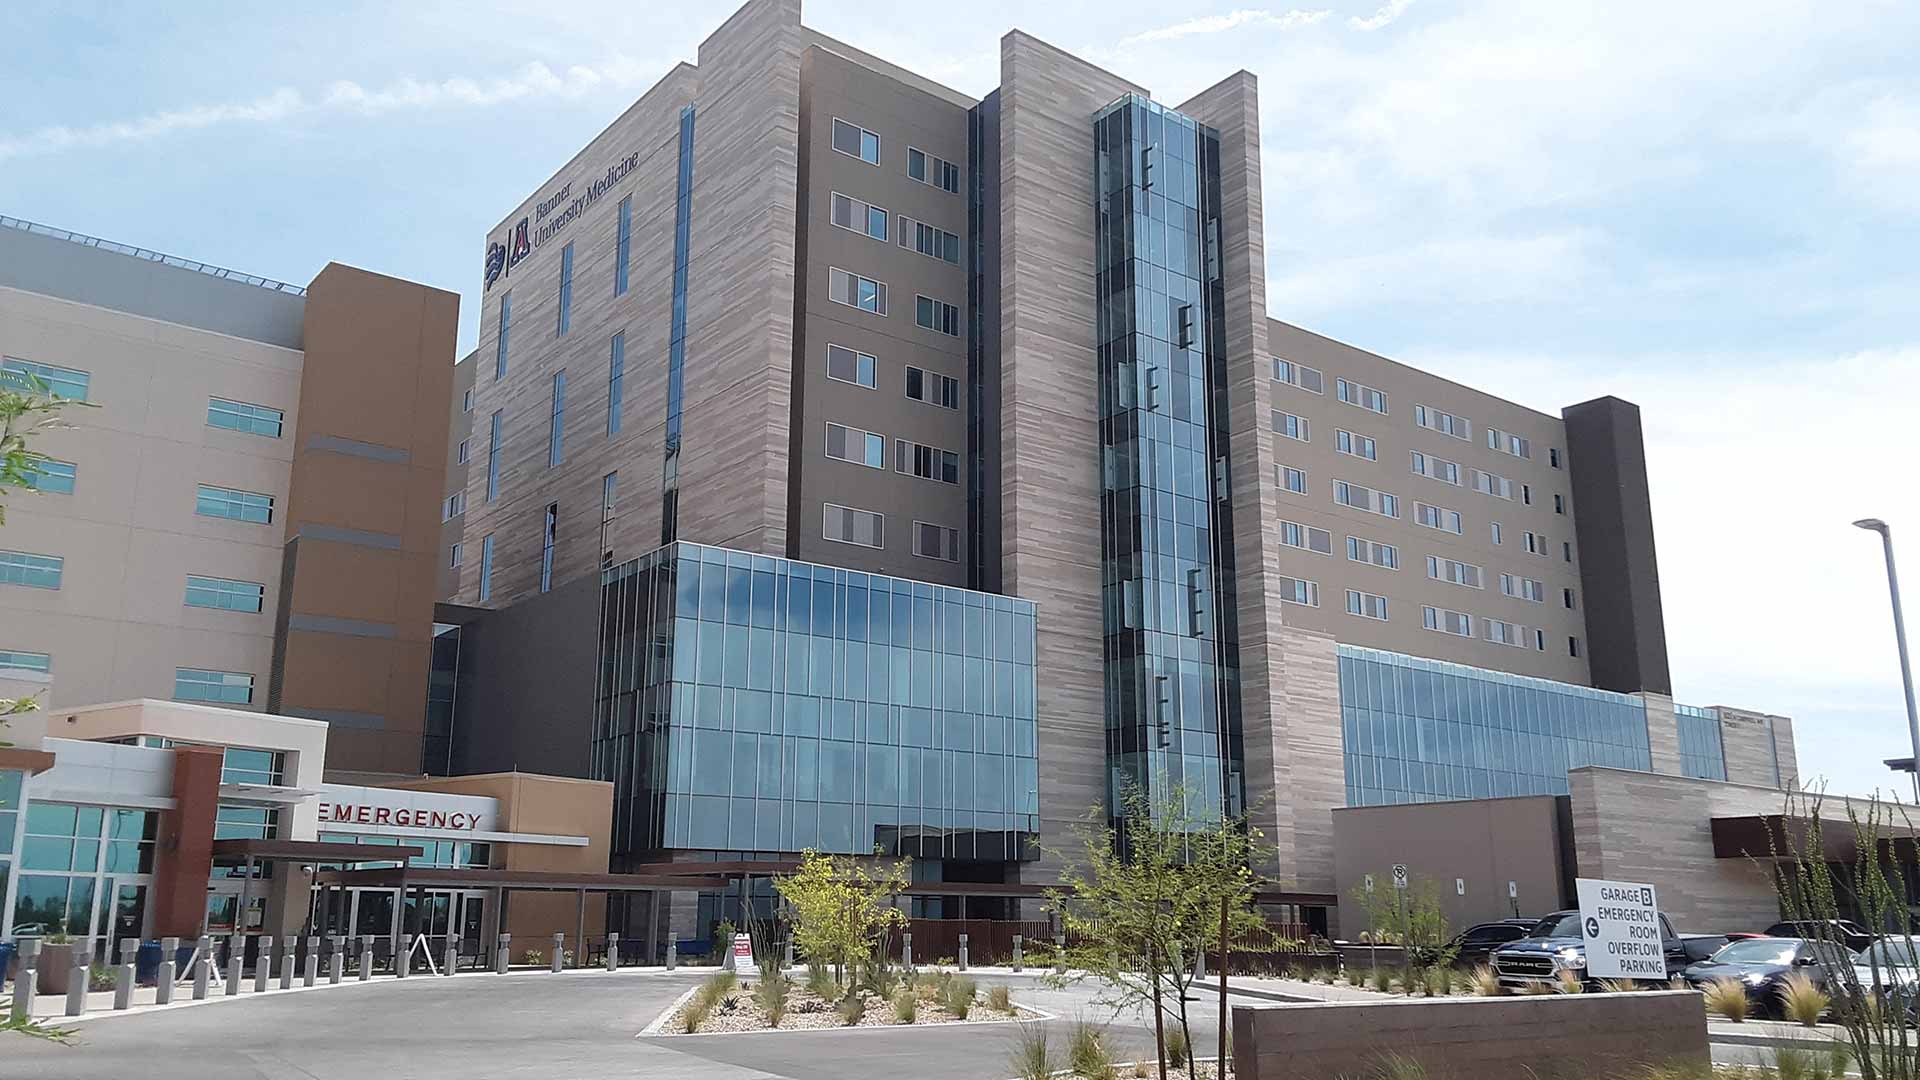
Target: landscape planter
56 968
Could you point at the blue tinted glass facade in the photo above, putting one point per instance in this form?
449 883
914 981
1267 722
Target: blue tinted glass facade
753 704
1166 532
1702 753
1419 730
677 335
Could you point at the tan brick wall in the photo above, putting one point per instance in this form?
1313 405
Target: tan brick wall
1663 733
1751 746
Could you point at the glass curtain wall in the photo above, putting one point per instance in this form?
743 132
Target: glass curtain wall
1703 754
749 704
1171 646
1418 730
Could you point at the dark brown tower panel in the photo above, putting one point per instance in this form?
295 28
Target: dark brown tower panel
1619 575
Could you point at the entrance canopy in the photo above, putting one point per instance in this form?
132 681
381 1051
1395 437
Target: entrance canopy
1778 836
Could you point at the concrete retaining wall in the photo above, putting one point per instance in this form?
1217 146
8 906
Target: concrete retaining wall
1504 1038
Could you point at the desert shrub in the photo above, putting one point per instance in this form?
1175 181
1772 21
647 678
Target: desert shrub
1619 986
775 990
853 1007
1382 980
1569 983
1539 986
999 999
1176 1046
1398 1067
905 1006
695 1014
1032 1055
1485 981
533 956
1802 1000
1439 982
1793 1063
879 977
1087 1053
1728 998
820 982
959 997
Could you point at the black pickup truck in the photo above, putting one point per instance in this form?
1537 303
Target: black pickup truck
1555 945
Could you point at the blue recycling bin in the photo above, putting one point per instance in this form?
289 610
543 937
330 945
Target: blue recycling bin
6 961
146 963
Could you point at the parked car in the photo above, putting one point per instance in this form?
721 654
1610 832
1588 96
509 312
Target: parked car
1697 947
1845 931
1555 944
1763 964
1890 969
1476 943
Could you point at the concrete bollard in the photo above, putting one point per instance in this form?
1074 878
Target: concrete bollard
559 953
673 953
123 978
613 952
289 949
236 953
1018 959
963 952
1200 963
452 956
503 955
311 970
263 965
1060 954
403 957
366 957
26 980
79 977
789 958
202 967
336 960
906 950
163 985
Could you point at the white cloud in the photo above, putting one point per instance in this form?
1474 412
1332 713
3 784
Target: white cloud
1392 10
535 80
1473 267
1217 24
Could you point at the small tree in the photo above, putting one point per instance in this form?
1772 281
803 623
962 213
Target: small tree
841 907
1412 918
1141 902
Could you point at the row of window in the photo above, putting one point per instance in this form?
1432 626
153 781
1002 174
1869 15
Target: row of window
858 215
1368 605
852 445
1386 504
861 369
867 528
869 295
189 684
856 141
74 384
1453 571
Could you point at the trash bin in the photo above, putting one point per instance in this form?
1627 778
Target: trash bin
6 961
146 963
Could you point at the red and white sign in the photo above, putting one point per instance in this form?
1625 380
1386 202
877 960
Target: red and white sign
743 956
344 813
351 808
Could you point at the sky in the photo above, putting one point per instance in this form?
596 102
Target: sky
1708 208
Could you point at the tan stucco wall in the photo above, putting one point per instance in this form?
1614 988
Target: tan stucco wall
1485 842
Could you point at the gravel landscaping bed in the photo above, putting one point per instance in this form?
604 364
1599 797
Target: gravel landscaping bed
741 1008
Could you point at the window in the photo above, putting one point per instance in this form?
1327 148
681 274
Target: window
1437 517
1540 639
222 687
486 568
1496 531
928 169
500 341
1358 445
926 462
622 244
1508 444
460 455
234 505
936 315
856 141
1362 550
1300 375
609 492
1446 472
1292 479
240 416
862 217
1489 484
565 305
1454 572
929 240
1299 591
616 380
455 505
493 457
1442 422
1526 494
1566 597
859 447
1566 550
1295 535
1458 623
26 568
222 594
856 291
454 555
936 542
1553 459
845 525
1524 588
1505 633
933 388
1536 544
1559 503
466 401
53 477
851 365
1366 605
557 422
548 535
15 662
59 381
1363 498
1366 397
1573 646
1293 427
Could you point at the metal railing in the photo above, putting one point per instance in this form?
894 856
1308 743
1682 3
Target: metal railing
151 256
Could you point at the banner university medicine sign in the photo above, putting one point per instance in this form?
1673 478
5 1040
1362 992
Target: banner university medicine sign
550 217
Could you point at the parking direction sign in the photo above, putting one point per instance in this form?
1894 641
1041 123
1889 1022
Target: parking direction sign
1620 924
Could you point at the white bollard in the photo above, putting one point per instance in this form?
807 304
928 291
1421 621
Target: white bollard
26 980
559 950
673 953
202 967
453 955
236 953
906 950
288 948
163 984
1018 959
503 955
310 971
263 964
963 952
403 957
79 976
123 978
613 952
366 957
336 960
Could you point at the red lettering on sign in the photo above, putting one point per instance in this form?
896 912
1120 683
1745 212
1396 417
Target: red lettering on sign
382 815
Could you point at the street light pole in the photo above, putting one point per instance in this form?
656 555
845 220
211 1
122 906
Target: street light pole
1900 639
